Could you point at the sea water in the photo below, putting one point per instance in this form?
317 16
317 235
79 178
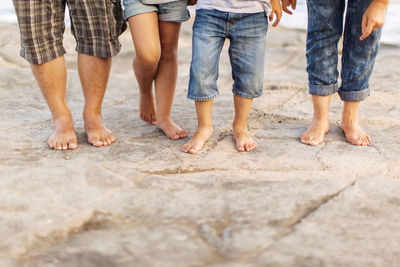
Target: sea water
390 35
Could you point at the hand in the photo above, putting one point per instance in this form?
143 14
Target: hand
374 17
286 3
192 2
276 11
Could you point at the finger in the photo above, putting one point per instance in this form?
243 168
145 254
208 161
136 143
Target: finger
369 28
271 17
278 18
286 10
364 23
294 4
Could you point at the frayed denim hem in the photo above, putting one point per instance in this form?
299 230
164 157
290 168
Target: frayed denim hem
240 94
204 98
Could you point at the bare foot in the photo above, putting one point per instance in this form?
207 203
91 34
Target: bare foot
171 130
98 135
354 134
244 142
147 108
63 136
316 133
195 144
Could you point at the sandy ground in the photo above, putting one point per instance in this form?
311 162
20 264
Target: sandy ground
143 202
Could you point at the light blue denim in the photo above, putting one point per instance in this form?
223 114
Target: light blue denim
247 35
173 11
325 27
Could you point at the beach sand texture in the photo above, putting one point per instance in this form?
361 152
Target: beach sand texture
143 202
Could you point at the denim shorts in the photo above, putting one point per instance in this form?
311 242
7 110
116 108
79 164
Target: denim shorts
247 35
325 27
173 11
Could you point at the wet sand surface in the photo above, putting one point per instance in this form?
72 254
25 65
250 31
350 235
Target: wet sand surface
143 202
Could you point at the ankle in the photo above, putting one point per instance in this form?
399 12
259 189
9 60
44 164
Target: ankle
204 129
91 113
349 122
164 118
64 122
239 126
320 118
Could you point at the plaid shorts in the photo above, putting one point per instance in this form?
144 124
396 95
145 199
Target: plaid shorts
95 24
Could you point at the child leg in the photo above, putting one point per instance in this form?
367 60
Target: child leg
357 64
350 125
204 127
165 80
244 142
247 54
320 123
208 39
145 36
325 26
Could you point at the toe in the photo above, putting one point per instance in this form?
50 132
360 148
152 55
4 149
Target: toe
50 143
153 119
95 141
104 140
356 141
58 145
186 147
182 134
72 145
365 141
253 146
172 135
312 143
112 137
107 140
240 148
305 139
193 151
64 145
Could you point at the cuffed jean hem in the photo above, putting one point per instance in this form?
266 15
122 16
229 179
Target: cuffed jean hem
174 17
322 90
354 95
204 98
241 94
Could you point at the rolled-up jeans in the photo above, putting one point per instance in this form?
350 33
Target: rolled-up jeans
325 27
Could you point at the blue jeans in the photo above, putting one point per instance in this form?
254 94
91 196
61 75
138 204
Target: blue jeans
325 27
247 35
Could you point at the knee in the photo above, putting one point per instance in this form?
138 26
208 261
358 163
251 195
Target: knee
169 52
148 58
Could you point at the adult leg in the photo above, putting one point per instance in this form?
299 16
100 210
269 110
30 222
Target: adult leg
94 73
165 80
51 78
42 26
96 25
145 36
357 65
325 23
